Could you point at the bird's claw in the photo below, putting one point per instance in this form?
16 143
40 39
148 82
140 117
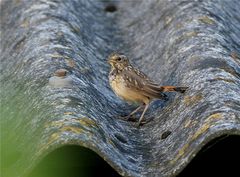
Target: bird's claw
128 118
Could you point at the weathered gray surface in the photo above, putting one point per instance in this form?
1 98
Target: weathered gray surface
193 44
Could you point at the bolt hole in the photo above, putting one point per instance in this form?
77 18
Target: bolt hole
110 8
166 134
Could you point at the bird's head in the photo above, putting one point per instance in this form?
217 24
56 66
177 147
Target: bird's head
118 61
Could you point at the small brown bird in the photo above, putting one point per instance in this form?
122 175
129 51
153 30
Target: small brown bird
132 85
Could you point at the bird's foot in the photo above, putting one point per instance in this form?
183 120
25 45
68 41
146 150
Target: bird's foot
139 124
128 118
143 122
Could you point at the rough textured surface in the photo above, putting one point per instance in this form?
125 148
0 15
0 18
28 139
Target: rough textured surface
193 44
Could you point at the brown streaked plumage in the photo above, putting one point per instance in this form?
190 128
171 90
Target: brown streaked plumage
133 85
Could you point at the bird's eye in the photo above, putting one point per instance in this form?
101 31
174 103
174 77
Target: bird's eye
119 59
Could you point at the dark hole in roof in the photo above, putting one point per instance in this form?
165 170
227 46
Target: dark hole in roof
110 8
165 134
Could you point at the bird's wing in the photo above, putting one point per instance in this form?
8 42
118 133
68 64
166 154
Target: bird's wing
141 83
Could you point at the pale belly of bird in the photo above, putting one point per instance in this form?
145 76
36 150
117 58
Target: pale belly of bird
121 89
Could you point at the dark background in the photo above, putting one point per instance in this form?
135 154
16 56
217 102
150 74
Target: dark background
220 157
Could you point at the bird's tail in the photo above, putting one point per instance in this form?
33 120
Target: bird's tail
173 89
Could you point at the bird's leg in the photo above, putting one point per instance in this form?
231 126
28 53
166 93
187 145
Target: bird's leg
144 111
133 112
